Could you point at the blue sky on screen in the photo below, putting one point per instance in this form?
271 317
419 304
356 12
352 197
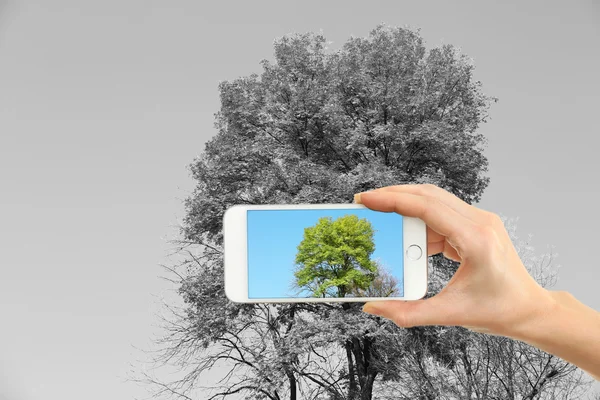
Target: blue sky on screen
274 235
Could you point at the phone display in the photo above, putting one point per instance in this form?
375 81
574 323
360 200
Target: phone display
324 253
280 253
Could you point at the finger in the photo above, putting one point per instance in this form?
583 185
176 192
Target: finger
433 236
435 247
444 248
473 213
438 216
437 243
406 314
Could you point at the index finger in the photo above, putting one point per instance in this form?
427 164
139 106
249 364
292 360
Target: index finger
454 202
438 216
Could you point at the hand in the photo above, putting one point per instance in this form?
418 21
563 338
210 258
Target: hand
491 292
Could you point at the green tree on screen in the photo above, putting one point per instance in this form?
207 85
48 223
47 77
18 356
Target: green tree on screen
335 256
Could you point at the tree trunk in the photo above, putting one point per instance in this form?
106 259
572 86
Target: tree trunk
353 388
292 382
366 374
358 352
366 392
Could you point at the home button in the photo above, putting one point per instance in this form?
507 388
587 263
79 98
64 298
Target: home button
414 252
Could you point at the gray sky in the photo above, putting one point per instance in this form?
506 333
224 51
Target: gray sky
104 103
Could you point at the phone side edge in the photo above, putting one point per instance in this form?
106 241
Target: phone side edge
235 260
416 271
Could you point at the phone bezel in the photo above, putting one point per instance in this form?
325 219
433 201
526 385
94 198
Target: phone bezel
236 256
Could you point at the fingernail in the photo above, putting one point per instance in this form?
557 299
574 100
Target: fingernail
357 199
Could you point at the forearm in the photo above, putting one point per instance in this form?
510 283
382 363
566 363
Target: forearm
569 330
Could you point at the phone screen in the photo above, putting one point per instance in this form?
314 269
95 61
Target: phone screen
303 253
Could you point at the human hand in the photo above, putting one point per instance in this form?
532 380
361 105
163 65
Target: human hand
491 292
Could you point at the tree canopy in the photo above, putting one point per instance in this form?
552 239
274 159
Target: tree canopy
334 257
319 125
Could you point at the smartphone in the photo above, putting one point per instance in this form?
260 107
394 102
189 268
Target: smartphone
322 253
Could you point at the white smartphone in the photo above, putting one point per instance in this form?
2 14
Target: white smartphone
322 253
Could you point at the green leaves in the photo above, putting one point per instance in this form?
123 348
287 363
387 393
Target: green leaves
334 257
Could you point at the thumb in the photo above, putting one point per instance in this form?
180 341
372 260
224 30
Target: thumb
407 314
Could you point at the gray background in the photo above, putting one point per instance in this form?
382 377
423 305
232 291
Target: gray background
104 103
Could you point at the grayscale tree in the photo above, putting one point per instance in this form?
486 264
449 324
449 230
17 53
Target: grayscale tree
316 126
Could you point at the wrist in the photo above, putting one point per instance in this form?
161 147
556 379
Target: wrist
547 307
567 329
